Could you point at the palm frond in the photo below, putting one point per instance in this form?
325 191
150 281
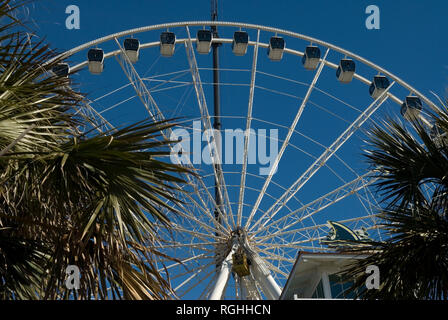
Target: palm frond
412 167
67 197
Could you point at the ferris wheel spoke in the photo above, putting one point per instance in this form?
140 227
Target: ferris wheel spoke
205 207
283 233
193 220
211 217
92 117
295 244
272 256
138 84
252 189
202 104
323 202
146 97
256 190
196 233
248 126
143 93
187 281
182 262
198 268
196 245
275 269
328 153
214 227
194 285
298 246
285 142
162 82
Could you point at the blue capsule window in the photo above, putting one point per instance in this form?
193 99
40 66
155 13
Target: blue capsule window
167 38
277 43
347 65
95 55
411 106
131 44
204 35
241 37
61 69
381 82
414 102
312 52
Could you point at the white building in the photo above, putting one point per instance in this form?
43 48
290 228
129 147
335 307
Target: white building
314 276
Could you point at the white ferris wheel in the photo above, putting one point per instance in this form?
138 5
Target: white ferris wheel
240 231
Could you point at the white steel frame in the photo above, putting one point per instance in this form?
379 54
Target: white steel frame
216 239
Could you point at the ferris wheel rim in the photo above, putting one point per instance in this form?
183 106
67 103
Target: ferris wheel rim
292 34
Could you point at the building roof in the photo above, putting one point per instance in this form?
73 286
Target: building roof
308 266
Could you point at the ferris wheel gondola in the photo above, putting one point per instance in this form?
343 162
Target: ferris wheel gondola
311 57
96 60
167 43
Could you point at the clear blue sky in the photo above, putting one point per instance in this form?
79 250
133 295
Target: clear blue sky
411 44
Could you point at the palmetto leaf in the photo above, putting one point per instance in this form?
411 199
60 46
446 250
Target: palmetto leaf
412 168
67 197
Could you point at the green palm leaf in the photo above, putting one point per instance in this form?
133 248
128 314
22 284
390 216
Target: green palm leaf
66 197
413 261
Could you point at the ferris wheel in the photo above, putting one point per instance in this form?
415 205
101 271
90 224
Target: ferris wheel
246 216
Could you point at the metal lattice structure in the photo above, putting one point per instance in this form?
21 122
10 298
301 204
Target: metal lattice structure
266 218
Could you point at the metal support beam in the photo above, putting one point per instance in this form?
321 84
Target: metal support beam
156 115
288 137
328 153
223 276
261 273
247 135
264 278
217 111
322 202
205 116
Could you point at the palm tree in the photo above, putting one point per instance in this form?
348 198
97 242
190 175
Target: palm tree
88 199
411 163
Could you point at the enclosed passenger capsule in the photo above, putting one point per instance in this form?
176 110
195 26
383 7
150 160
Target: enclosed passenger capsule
61 70
411 107
378 86
346 70
276 47
311 57
167 43
240 42
132 49
96 60
203 41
